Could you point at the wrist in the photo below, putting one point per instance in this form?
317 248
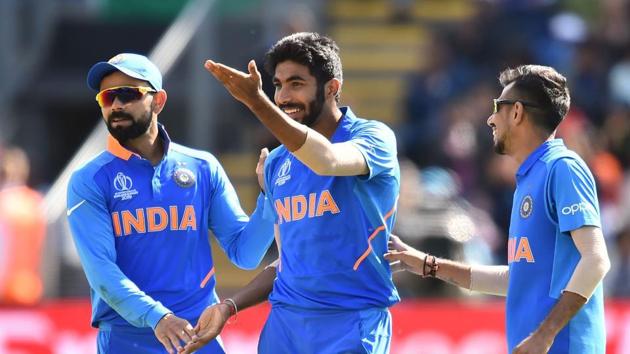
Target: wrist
231 305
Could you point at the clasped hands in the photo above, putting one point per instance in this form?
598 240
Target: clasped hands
179 336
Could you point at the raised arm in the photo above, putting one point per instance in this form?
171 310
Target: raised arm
309 146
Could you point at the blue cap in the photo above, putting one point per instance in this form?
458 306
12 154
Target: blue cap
134 65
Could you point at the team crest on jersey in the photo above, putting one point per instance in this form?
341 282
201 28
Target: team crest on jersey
527 205
123 184
283 173
184 177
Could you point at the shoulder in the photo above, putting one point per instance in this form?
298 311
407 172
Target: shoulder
277 154
88 170
369 127
200 156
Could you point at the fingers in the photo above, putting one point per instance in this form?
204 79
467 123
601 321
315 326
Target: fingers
253 70
397 266
190 333
222 72
166 343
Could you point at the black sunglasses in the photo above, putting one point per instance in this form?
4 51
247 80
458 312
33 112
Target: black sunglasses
497 102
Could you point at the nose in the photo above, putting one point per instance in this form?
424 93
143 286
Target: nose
281 96
489 120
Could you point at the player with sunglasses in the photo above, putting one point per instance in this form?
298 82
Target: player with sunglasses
557 255
140 214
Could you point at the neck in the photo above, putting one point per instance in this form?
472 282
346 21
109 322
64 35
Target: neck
528 144
148 145
328 121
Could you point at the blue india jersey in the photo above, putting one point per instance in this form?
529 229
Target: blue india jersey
141 232
555 194
334 230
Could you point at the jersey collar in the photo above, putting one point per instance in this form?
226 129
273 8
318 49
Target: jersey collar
347 116
537 154
114 147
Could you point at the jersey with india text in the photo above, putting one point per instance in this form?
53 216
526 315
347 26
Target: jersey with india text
555 195
334 230
141 232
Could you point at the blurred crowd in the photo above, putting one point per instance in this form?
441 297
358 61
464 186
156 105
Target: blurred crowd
22 231
456 193
455 188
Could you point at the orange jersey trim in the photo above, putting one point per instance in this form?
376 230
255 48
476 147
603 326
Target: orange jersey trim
208 276
369 249
116 149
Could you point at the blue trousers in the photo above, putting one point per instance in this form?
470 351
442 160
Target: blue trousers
298 331
118 341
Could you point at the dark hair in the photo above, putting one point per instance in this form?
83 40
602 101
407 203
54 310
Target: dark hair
319 54
543 86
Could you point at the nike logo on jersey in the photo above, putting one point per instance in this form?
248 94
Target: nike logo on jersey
298 206
75 207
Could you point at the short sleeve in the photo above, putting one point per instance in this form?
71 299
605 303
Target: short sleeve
377 143
573 195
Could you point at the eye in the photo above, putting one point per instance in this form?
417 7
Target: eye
296 84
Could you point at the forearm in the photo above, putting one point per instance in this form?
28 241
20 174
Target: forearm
327 159
289 132
452 272
248 248
257 290
491 280
593 264
566 307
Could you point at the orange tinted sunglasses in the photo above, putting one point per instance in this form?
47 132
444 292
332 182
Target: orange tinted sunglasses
125 94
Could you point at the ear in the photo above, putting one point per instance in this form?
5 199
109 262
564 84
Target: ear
333 88
159 100
518 113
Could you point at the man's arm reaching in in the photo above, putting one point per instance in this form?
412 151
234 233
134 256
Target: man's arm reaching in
214 317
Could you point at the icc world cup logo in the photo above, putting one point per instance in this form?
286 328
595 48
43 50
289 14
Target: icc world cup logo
122 183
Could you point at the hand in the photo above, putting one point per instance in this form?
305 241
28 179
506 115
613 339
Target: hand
210 324
404 257
245 87
535 343
172 330
260 168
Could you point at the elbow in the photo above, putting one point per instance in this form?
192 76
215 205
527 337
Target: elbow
247 263
601 266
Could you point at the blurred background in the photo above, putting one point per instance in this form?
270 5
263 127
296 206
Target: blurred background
427 68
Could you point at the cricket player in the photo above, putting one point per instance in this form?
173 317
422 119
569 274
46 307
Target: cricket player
140 214
332 188
557 256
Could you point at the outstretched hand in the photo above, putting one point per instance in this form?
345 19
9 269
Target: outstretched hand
404 256
209 326
245 87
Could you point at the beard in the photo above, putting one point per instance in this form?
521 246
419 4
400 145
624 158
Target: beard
499 147
136 129
315 107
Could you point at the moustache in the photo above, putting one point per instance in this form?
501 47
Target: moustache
291 105
119 114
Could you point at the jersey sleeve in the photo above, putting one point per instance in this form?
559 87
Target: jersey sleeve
377 143
573 195
93 236
244 239
269 212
